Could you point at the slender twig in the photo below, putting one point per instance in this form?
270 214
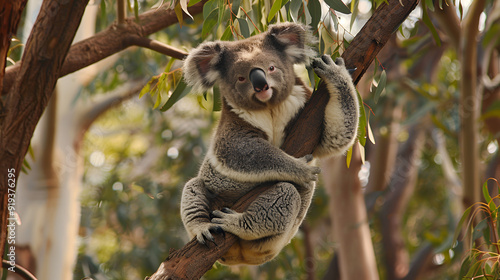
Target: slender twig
157 46
121 11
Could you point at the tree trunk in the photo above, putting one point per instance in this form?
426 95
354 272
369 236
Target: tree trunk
45 51
11 11
401 186
350 221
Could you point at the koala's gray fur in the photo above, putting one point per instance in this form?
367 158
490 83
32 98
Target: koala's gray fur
245 151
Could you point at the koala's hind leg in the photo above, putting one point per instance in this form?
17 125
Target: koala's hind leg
272 214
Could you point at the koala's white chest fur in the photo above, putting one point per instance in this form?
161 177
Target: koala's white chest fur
273 121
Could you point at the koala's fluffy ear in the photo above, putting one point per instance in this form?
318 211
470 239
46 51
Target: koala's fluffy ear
202 67
294 39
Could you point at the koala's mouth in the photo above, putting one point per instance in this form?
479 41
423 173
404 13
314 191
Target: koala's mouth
264 95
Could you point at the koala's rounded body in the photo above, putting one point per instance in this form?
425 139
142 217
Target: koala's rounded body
261 95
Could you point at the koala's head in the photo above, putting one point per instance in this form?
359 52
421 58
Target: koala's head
253 73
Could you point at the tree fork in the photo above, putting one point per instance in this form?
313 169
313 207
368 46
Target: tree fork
194 259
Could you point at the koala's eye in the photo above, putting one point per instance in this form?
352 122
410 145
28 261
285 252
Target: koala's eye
241 79
272 69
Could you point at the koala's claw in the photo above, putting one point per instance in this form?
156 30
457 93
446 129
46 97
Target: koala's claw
340 61
228 211
206 234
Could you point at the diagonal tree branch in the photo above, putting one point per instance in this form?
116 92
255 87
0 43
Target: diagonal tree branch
194 259
115 38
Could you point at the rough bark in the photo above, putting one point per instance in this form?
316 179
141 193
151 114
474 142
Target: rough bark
11 11
192 261
44 53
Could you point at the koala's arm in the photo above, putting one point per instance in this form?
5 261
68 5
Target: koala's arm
246 157
195 210
342 110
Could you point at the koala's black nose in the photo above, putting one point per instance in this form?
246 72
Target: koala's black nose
258 79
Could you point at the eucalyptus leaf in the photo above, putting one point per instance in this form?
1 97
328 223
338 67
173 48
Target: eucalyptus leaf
245 31
274 10
180 91
338 5
209 23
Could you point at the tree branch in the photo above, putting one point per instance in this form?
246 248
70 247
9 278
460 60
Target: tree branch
401 186
110 100
121 11
111 40
157 46
194 259
469 106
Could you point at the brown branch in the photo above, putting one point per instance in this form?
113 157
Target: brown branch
110 100
110 41
401 186
11 11
468 107
157 46
121 11
449 22
194 259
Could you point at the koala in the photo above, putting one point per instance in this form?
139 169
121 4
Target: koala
261 95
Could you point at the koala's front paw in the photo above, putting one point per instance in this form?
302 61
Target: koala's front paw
330 71
203 232
226 219
310 172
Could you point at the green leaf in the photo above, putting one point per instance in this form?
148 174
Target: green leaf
245 31
209 7
354 6
429 4
104 15
192 2
458 229
227 34
464 268
381 86
370 132
362 121
349 157
145 89
178 13
180 91
307 14
31 152
217 100
235 6
26 164
209 23
200 101
430 25
339 6
492 34
136 10
486 192
315 11
473 270
274 10
294 9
